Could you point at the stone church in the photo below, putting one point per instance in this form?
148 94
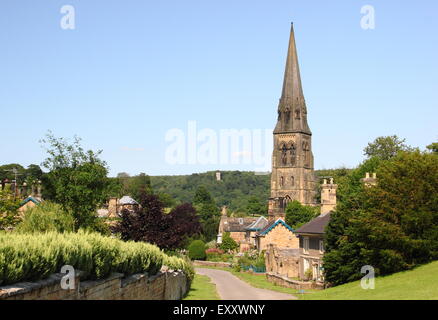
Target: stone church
292 178
292 175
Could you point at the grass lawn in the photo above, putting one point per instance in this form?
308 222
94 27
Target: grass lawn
202 289
418 284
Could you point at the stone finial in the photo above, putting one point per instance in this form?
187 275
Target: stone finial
367 175
374 175
331 180
324 181
224 211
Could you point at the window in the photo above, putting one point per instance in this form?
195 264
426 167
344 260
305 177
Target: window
306 244
240 220
321 246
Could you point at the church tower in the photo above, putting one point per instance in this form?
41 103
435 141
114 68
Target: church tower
292 176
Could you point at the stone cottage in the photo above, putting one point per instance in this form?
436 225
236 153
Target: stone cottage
311 252
242 230
277 233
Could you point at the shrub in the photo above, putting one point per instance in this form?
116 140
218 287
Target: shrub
228 243
30 257
197 250
180 264
47 216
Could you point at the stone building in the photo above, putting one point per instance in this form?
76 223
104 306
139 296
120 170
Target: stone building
242 230
115 206
292 175
277 233
282 261
311 252
29 202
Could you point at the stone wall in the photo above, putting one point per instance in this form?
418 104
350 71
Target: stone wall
295 284
282 261
167 285
200 263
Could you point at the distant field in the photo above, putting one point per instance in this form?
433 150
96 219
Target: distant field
418 284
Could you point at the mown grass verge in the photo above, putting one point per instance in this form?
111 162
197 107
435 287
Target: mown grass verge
202 289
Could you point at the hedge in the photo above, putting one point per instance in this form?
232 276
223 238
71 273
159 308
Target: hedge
31 257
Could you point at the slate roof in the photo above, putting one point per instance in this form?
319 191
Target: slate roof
315 226
127 200
272 225
257 225
237 224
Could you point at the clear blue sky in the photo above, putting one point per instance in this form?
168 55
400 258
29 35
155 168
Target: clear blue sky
132 70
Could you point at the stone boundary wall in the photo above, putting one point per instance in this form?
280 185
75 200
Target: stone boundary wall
295 284
167 285
200 263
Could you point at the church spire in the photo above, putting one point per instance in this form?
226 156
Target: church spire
292 79
292 111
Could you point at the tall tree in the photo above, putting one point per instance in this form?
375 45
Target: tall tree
208 212
386 147
433 147
256 206
298 214
8 209
77 179
391 226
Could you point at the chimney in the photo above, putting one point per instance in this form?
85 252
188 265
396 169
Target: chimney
112 207
328 196
370 181
39 194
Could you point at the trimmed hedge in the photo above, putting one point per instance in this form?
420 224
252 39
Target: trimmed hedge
30 257
197 250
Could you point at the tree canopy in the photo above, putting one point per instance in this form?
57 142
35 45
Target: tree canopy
298 214
391 226
77 179
386 147
150 224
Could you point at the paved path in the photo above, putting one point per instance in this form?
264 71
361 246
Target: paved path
230 287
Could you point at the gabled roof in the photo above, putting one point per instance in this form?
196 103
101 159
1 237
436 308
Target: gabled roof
315 226
272 225
30 198
127 200
236 224
257 225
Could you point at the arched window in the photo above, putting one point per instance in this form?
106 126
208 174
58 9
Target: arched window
284 154
292 181
293 154
281 181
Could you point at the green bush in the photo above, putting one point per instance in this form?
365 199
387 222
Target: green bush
228 243
197 250
30 257
47 216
